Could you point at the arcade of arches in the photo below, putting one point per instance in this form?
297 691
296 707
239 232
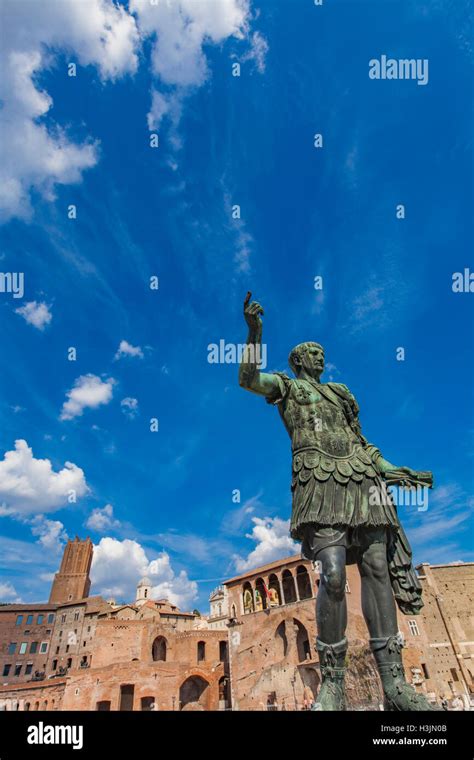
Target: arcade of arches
281 588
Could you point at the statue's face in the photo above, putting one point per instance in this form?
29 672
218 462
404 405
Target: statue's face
312 360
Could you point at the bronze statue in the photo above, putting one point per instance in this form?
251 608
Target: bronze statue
342 514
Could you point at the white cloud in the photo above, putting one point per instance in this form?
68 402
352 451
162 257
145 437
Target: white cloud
40 155
36 314
129 407
51 533
8 592
89 392
180 30
117 566
102 520
126 349
273 541
29 485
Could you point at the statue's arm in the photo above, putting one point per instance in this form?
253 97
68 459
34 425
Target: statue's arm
395 474
250 376
392 473
381 464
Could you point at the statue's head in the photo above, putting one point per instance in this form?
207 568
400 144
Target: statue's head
308 356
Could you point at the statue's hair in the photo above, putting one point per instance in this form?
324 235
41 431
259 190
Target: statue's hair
298 351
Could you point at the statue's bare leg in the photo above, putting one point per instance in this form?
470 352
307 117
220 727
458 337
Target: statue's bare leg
378 603
378 607
331 617
331 607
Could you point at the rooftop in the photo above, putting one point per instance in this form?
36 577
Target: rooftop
459 563
265 568
24 607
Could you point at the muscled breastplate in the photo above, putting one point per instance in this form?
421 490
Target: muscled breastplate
314 421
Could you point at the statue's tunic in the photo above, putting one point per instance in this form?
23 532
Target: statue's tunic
335 479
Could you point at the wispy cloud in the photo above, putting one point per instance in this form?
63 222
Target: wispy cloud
449 515
129 407
234 520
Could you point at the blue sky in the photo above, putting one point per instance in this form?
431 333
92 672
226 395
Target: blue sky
162 502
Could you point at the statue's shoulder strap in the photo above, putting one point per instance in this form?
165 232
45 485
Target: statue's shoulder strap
344 393
350 406
284 385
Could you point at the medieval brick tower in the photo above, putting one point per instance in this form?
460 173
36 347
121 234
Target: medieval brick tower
72 581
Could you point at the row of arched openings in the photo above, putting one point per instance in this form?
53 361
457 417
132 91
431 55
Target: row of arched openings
291 589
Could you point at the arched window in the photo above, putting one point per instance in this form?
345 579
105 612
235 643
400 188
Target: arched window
201 651
248 599
303 582
234 611
223 651
261 601
289 591
194 691
274 590
159 649
302 642
281 642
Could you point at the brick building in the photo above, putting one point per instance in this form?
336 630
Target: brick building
92 654
448 623
255 650
273 632
26 631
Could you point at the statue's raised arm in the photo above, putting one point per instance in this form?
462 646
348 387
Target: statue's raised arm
250 376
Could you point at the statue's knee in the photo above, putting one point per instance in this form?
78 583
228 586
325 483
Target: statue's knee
333 577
